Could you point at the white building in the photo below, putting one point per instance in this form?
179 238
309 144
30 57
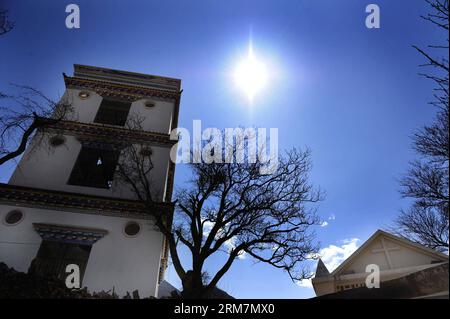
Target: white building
62 204
395 257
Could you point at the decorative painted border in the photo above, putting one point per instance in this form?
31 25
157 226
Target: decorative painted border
124 92
111 133
126 76
88 204
69 234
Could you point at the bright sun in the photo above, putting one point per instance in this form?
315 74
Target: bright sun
251 75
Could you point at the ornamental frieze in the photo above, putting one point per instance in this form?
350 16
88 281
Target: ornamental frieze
129 93
111 133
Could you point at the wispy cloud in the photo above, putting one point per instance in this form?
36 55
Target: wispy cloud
334 255
330 218
306 283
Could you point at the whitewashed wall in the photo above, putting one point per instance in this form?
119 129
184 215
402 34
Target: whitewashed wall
115 261
156 119
50 167
404 257
44 166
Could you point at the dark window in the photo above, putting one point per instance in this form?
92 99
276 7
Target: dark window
94 168
57 140
132 229
53 257
112 112
13 217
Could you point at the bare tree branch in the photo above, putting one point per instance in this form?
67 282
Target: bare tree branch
231 208
22 115
426 182
5 24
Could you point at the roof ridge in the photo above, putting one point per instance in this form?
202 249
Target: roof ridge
377 233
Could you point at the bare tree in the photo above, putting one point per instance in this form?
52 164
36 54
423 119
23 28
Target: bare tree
22 115
426 182
5 24
231 208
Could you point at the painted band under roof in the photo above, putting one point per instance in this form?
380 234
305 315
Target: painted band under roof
74 202
111 133
131 78
119 91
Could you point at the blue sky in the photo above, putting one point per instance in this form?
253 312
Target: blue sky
349 93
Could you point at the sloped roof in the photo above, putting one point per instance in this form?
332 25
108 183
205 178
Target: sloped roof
321 270
165 289
404 241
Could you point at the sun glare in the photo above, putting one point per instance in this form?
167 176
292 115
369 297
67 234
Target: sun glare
251 75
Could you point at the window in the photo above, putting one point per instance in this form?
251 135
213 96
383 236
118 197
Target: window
112 112
149 104
83 95
13 217
53 257
132 229
57 140
94 167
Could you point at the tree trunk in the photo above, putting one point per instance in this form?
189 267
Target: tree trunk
193 287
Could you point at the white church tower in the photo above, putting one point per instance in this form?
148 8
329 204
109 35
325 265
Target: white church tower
63 205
